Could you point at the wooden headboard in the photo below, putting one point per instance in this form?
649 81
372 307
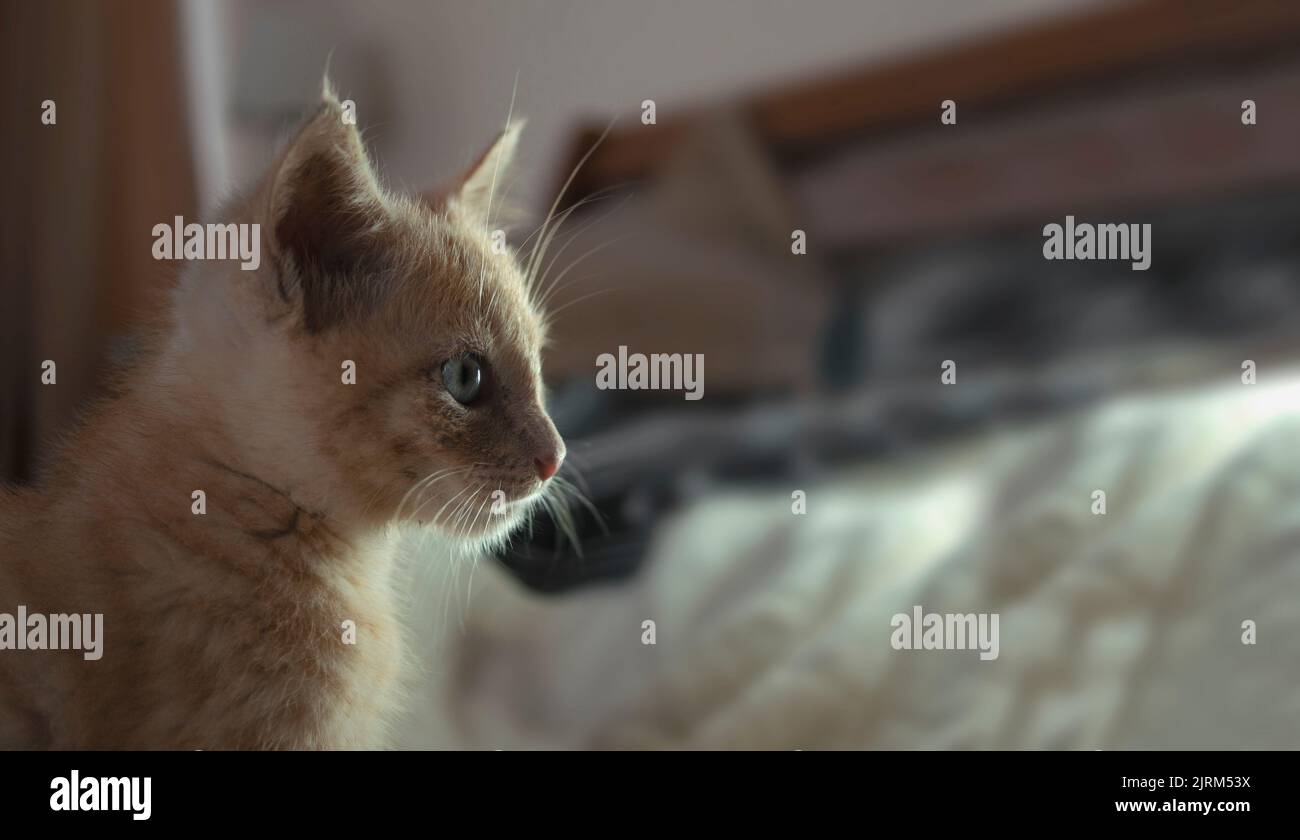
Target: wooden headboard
1082 54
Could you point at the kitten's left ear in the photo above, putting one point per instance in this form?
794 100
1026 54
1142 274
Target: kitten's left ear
328 221
479 189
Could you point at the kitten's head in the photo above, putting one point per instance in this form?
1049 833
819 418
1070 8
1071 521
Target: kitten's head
445 423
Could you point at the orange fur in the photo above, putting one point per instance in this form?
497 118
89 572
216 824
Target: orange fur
224 630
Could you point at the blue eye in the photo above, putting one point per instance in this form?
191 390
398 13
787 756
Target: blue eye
463 377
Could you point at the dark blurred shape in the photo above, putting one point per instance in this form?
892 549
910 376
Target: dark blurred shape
1088 52
80 197
925 244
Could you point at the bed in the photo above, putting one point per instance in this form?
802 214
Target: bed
1121 630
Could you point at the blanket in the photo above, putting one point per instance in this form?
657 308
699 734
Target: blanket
1170 620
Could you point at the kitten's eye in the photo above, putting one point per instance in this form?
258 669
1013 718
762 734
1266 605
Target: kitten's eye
463 377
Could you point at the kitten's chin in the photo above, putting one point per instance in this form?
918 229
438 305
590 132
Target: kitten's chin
489 531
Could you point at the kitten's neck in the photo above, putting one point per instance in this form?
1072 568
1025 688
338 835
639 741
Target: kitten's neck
187 425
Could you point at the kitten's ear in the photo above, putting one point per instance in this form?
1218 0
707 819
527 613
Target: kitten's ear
479 189
327 218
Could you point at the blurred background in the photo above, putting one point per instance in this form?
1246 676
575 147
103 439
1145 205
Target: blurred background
821 369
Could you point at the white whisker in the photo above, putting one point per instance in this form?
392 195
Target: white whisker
541 250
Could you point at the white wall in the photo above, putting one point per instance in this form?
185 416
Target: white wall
450 66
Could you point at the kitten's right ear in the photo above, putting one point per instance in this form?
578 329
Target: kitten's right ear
327 218
478 189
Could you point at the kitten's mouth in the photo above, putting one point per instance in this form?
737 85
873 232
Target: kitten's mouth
482 513
507 517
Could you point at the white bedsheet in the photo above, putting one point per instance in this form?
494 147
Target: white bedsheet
773 630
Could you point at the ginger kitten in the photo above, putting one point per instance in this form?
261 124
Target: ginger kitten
226 629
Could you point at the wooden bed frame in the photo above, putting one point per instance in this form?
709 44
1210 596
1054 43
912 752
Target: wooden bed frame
1070 56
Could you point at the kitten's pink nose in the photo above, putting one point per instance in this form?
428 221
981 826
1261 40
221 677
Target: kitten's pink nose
548 466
